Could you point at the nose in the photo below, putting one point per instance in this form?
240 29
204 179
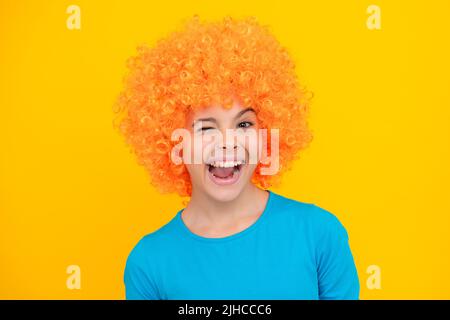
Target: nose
226 146
229 148
226 150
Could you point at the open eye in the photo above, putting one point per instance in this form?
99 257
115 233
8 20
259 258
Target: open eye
245 124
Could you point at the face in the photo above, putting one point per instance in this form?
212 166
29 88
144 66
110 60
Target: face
224 144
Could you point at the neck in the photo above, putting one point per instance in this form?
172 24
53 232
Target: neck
202 209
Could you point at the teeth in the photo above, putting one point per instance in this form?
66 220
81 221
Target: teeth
226 164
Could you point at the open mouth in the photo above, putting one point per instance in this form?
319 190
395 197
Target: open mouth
225 172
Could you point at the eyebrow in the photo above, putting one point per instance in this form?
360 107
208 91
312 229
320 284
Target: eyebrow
239 114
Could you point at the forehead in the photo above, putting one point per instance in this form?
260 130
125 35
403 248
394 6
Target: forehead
216 111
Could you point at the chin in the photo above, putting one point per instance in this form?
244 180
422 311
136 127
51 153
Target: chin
224 195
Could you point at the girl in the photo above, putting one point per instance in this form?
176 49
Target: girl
235 238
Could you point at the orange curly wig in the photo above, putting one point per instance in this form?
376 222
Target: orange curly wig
209 63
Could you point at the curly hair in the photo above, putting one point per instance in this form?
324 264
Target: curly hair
208 63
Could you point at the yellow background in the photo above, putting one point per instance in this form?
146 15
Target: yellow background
72 193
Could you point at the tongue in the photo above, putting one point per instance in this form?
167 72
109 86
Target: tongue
222 172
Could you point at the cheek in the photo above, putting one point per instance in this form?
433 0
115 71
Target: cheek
195 171
251 168
252 147
199 148
193 150
208 142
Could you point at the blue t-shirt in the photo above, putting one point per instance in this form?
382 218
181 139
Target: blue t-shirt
294 250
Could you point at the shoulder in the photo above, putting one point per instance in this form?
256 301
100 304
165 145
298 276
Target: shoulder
153 243
316 218
143 263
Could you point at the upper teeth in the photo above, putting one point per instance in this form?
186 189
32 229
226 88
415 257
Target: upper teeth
226 164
